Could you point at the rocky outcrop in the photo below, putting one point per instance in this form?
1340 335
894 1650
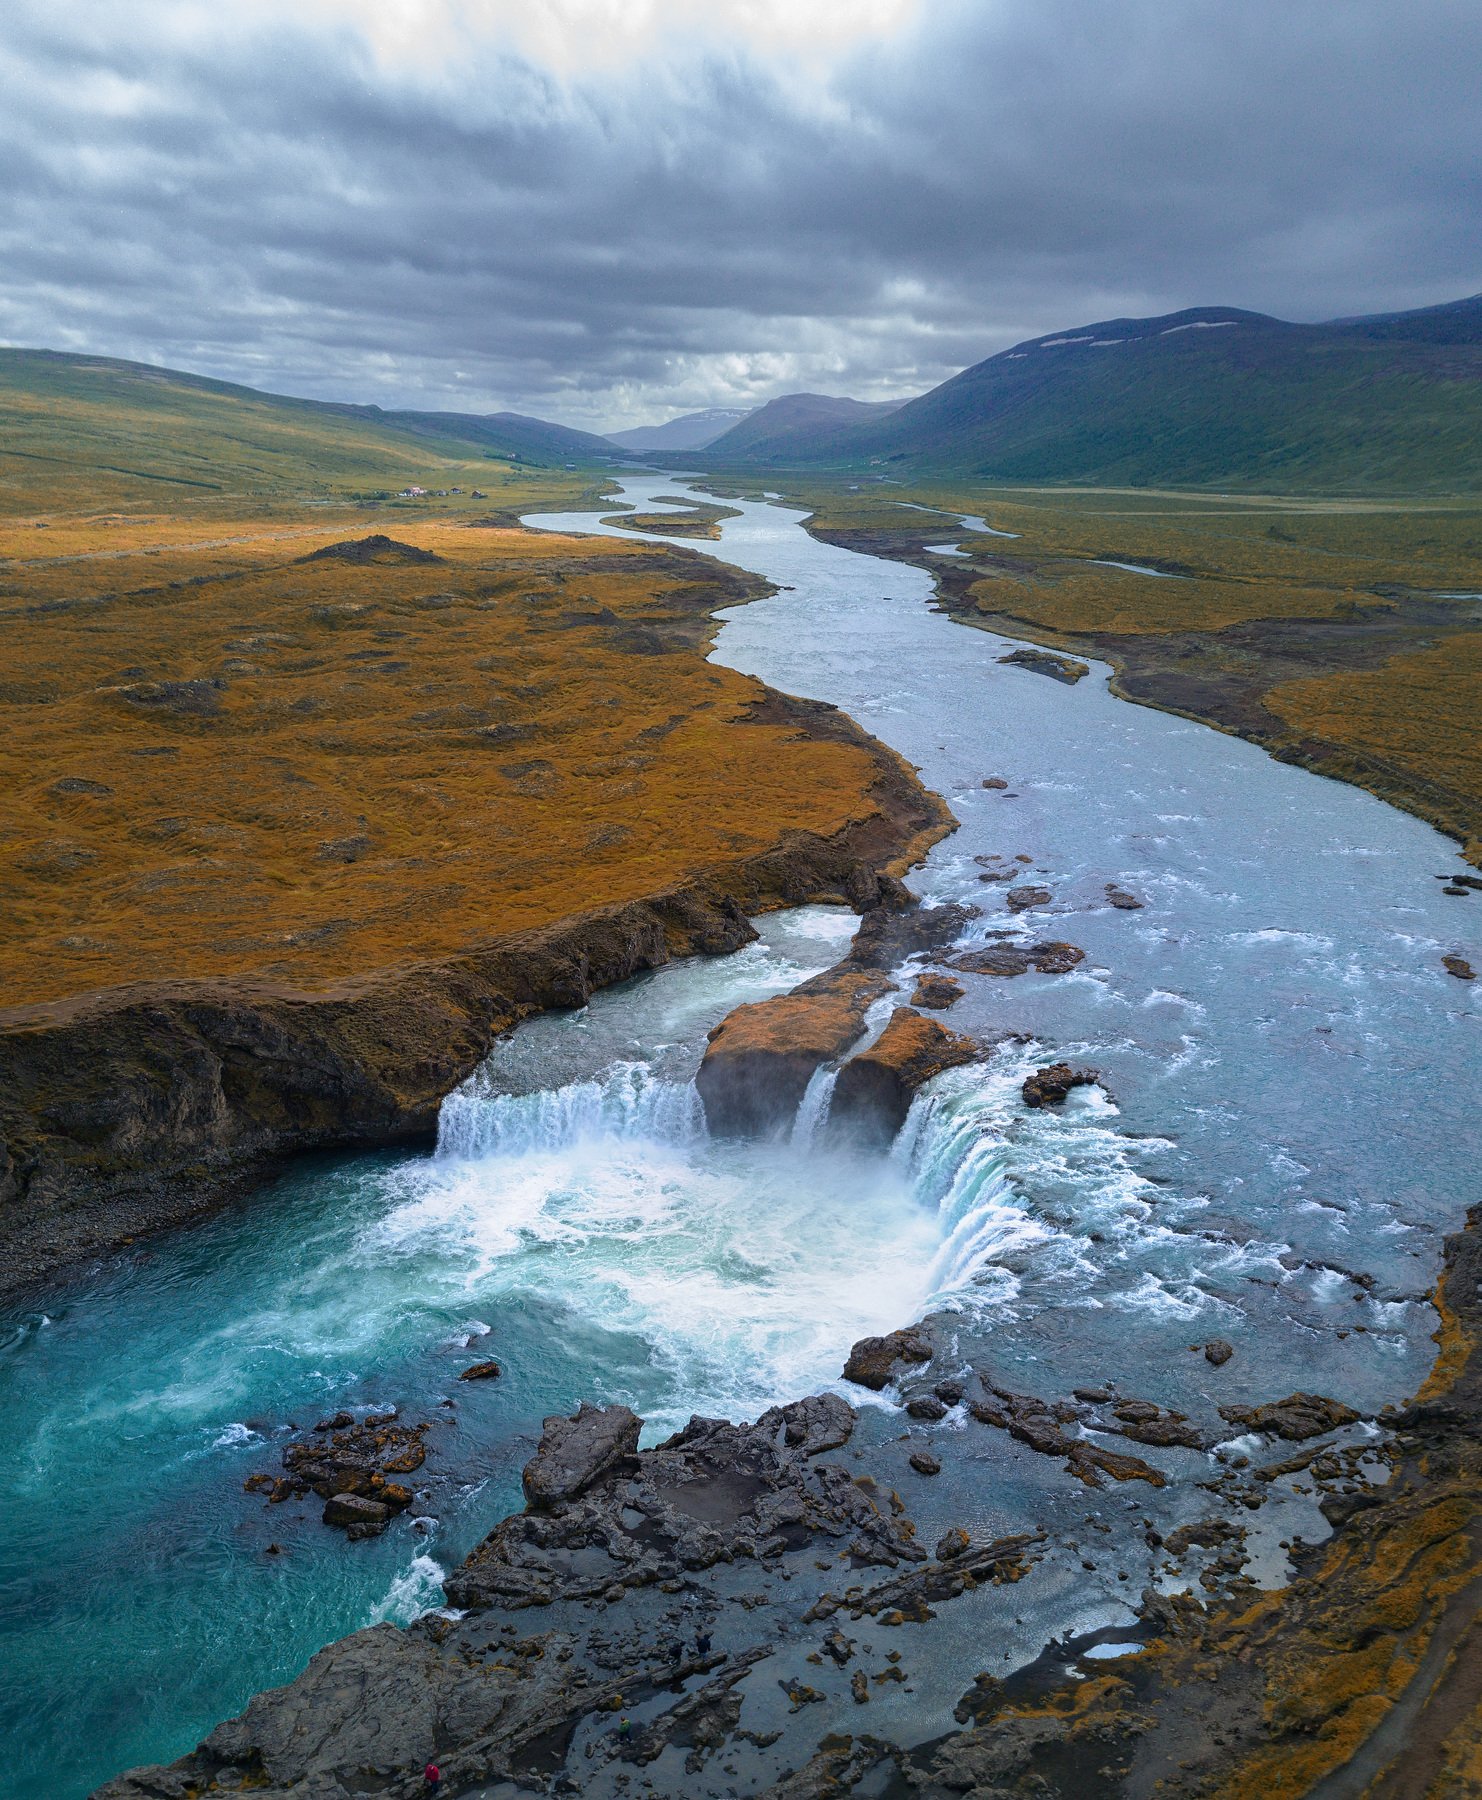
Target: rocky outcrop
734 1560
875 1089
898 930
1049 958
1045 662
1363 1675
936 991
1043 1426
354 1465
1050 1086
1296 1418
574 1452
761 1057
872 1361
602 1606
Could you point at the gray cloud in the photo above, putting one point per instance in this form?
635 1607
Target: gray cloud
270 200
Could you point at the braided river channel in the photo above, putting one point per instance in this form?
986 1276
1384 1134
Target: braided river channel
1286 1127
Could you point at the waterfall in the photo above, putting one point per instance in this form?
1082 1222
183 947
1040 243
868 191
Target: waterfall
813 1107
627 1102
953 1150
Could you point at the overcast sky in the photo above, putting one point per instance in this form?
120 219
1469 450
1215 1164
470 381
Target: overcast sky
607 211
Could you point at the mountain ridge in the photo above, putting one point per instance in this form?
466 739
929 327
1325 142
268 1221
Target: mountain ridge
1199 397
689 431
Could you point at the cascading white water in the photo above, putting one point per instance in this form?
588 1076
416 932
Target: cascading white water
812 1113
744 1242
627 1103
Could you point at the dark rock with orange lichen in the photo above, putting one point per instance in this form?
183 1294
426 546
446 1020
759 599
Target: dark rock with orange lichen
875 1089
936 991
761 1057
347 1462
1049 1086
1297 1417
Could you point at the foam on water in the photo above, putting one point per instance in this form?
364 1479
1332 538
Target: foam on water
630 1104
417 1589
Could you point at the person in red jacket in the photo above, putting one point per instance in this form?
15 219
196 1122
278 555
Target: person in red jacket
432 1779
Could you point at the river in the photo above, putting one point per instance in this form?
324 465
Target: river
1283 1133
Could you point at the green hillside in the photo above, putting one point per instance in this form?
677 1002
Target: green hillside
513 435
1207 397
97 431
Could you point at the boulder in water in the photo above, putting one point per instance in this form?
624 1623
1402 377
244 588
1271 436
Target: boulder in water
482 1371
927 1407
874 1091
1050 1085
346 1510
761 1057
345 1457
937 991
1049 958
872 1360
1297 1417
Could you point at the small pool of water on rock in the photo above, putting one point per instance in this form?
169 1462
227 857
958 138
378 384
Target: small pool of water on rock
1283 1133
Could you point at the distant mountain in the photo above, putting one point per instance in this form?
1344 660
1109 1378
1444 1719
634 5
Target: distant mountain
690 431
508 434
790 426
1209 396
